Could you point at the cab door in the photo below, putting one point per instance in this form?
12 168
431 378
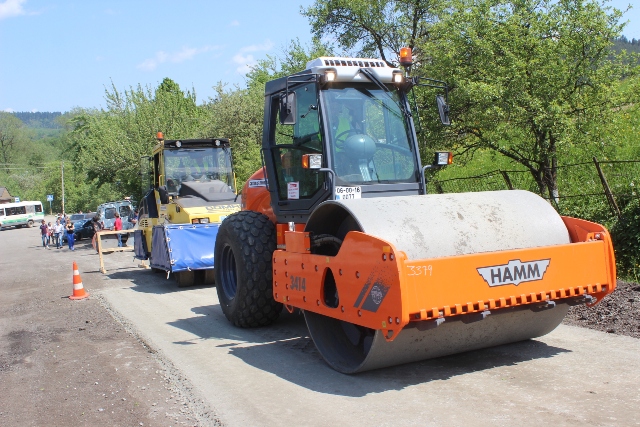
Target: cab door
296 189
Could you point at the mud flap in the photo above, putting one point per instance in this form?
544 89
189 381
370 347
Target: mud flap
140 246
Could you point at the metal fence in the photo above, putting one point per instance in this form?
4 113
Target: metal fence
613 182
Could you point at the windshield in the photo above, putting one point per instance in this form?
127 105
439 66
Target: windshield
369 136
206 164
76 217
109 213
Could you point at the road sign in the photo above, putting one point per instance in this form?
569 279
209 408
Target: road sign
49 197
17 200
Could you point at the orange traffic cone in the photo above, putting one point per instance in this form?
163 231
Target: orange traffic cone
78 289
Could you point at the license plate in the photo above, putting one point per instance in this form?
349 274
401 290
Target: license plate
345 193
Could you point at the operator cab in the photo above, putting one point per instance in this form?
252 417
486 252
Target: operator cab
195 168
340 129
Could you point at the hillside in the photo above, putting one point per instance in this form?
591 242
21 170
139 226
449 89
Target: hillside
40 120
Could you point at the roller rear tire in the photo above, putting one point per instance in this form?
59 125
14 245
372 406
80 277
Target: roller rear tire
244 248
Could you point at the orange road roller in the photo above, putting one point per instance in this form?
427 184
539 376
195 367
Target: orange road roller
338 224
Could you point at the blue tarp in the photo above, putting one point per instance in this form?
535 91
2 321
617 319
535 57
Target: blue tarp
183 247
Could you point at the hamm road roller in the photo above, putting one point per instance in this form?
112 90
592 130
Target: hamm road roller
338 224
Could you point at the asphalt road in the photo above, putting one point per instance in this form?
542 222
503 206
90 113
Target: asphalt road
275 376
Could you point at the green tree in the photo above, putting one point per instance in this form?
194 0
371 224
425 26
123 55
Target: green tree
109 143
12 136
529 78
377 28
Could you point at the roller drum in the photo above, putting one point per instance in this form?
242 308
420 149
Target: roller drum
434 226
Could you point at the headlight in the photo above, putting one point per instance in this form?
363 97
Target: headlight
443 158
330 75
195 221
204 220
398 77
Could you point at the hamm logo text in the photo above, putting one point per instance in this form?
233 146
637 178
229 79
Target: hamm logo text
515 272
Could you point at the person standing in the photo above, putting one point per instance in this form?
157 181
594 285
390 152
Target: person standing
133 219
49 233
70 230
44 233
117 226
58 229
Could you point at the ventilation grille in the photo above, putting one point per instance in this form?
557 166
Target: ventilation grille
353 63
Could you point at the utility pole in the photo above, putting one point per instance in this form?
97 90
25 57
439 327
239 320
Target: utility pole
62 180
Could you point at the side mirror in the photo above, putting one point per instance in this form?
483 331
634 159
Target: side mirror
164 195
288 108
443 109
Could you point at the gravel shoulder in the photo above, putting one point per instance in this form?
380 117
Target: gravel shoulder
618 313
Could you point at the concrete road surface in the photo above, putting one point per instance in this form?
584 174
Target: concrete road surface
274 376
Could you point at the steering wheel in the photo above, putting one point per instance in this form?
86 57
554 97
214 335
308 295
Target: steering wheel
339 143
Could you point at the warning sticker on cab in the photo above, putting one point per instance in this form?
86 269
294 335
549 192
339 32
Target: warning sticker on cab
293 190
344 193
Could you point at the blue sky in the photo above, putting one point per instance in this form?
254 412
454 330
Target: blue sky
59 54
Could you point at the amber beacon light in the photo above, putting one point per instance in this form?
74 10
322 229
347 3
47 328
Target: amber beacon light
406 56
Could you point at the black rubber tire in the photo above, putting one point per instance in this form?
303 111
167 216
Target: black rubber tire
30 223
244 280
185 278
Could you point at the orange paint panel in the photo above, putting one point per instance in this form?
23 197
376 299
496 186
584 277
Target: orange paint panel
369 292
451 280
297 242
379 288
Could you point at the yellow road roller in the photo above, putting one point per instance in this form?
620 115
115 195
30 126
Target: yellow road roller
338 224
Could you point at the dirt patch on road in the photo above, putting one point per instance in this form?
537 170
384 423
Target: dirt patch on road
75 363
618 313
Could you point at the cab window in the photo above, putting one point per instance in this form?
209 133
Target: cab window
293 141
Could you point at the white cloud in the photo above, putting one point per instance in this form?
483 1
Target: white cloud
8 110
187 53
247 61
11 8
267 45
234 23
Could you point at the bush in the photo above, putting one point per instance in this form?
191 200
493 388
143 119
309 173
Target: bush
626 241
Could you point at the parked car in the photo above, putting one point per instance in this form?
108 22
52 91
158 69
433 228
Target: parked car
81 216
84 230
79 222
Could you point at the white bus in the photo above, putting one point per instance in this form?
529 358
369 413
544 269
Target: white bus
21 213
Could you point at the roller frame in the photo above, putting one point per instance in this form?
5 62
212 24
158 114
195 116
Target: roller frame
425 290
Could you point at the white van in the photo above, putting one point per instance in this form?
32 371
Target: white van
107 212
21 213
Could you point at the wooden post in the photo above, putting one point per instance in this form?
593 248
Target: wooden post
607 190
99 244
109 250
507 180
